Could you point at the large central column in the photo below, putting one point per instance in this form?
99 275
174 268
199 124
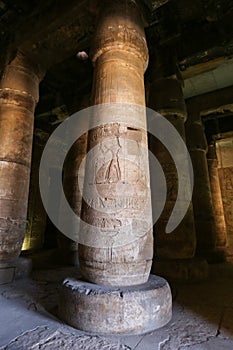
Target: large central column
120 298
120 56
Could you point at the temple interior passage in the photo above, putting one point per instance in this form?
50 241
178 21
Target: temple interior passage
116 175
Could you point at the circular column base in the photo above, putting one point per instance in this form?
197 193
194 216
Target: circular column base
183 270
116 310
11 270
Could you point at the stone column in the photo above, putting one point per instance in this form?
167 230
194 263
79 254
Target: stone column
174 251
19 93
124 300
202 199
224 148
118 78
72 178
219 219
36 215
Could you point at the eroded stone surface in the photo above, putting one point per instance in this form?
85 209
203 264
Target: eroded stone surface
212 344
14 269
114 177
108 310
44 339
19 90
202 313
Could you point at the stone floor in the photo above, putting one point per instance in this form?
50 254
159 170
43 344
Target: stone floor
202 316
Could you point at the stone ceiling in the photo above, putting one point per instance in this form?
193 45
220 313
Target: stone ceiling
184 36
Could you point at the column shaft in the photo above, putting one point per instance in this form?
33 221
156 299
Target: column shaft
19 92
202 200
73 177
36 214
224 148
219 219
71 181
119 54
166 97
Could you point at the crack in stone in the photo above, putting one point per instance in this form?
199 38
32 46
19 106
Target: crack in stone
43 337
163 343
220 323
139 342
184 337
198 343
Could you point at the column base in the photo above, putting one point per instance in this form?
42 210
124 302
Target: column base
183 270
14 269
116 310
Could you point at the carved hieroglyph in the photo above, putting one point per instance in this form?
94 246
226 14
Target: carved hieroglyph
117 190
19 93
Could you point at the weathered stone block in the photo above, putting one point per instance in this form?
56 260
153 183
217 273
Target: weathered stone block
116 310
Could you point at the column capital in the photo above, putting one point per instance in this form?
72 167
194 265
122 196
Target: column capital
120 28
211 154
20 80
